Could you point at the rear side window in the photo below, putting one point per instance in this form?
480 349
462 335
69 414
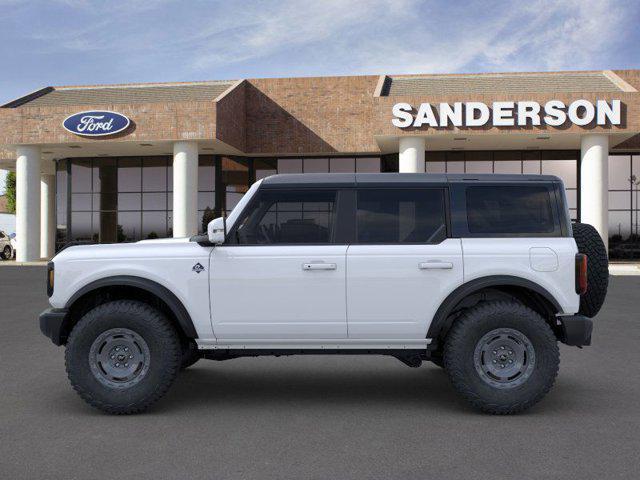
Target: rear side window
289 217
518 209
401 215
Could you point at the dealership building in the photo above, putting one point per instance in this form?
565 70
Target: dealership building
120 163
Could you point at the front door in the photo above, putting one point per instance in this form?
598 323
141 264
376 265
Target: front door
402 265
281 274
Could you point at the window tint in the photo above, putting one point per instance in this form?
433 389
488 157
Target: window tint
509 209
401 216
289 216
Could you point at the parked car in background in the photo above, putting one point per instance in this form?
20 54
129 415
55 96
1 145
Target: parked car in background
14 243
6 246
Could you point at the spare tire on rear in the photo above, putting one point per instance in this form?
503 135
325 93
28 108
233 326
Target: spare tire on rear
589 242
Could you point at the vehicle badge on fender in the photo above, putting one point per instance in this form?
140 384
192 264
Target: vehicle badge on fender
198 268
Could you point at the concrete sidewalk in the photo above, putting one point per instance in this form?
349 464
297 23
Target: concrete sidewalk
622 269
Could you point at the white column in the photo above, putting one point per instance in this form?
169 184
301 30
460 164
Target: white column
185 189
47 215
411 154
28 203
594 183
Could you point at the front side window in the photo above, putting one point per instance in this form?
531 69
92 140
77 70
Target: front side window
289 217
401 216
509 209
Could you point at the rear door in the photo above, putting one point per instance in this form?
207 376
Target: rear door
281 275
402 264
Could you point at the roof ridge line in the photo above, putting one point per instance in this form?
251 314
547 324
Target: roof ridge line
144 85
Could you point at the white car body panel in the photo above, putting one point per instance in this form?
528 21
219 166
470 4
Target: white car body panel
392 295
264 292
168 262
377 297
484 257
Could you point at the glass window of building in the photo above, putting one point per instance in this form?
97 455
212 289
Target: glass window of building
316 165
289 165
455 166
234 181
265 167
61 203
436 167
127 199
368 165
81 175
206 191
342 165
478 166
624 202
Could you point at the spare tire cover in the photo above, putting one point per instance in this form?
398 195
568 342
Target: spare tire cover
589 242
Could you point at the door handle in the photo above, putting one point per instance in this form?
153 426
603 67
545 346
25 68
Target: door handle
319 266
435 265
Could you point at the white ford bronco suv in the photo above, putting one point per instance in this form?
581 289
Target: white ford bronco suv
482 275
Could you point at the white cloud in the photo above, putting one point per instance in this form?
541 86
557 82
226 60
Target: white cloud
177 40
291 24
542 35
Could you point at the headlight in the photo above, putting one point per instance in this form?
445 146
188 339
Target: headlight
50 278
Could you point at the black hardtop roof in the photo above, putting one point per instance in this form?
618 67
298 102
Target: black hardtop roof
354 179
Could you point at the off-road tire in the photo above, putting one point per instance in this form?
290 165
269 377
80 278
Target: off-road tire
437 359
590 243
164 356
190 354
471 327
6 253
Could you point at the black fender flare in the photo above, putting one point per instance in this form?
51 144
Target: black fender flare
160 291
439 321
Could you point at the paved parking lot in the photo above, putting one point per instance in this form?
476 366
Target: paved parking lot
318 417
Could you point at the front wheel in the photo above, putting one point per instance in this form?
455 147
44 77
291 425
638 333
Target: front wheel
502 357
122 356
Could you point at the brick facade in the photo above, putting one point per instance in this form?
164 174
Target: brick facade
291 116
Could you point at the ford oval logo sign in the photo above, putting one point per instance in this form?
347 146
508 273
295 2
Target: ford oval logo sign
96 123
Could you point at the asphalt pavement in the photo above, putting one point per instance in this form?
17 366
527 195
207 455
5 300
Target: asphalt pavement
332 417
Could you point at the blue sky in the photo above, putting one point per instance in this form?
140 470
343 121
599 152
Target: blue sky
71 42
83 42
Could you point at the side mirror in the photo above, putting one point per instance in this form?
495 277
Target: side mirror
216 230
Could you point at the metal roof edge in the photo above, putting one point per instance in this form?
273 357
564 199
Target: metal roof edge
28 97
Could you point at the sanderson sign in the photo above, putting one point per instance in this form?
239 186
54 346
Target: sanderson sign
507 114
96 123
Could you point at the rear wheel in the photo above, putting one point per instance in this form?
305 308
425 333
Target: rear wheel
6 253
122 356
502 357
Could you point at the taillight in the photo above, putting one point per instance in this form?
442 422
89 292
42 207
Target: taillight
581 273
